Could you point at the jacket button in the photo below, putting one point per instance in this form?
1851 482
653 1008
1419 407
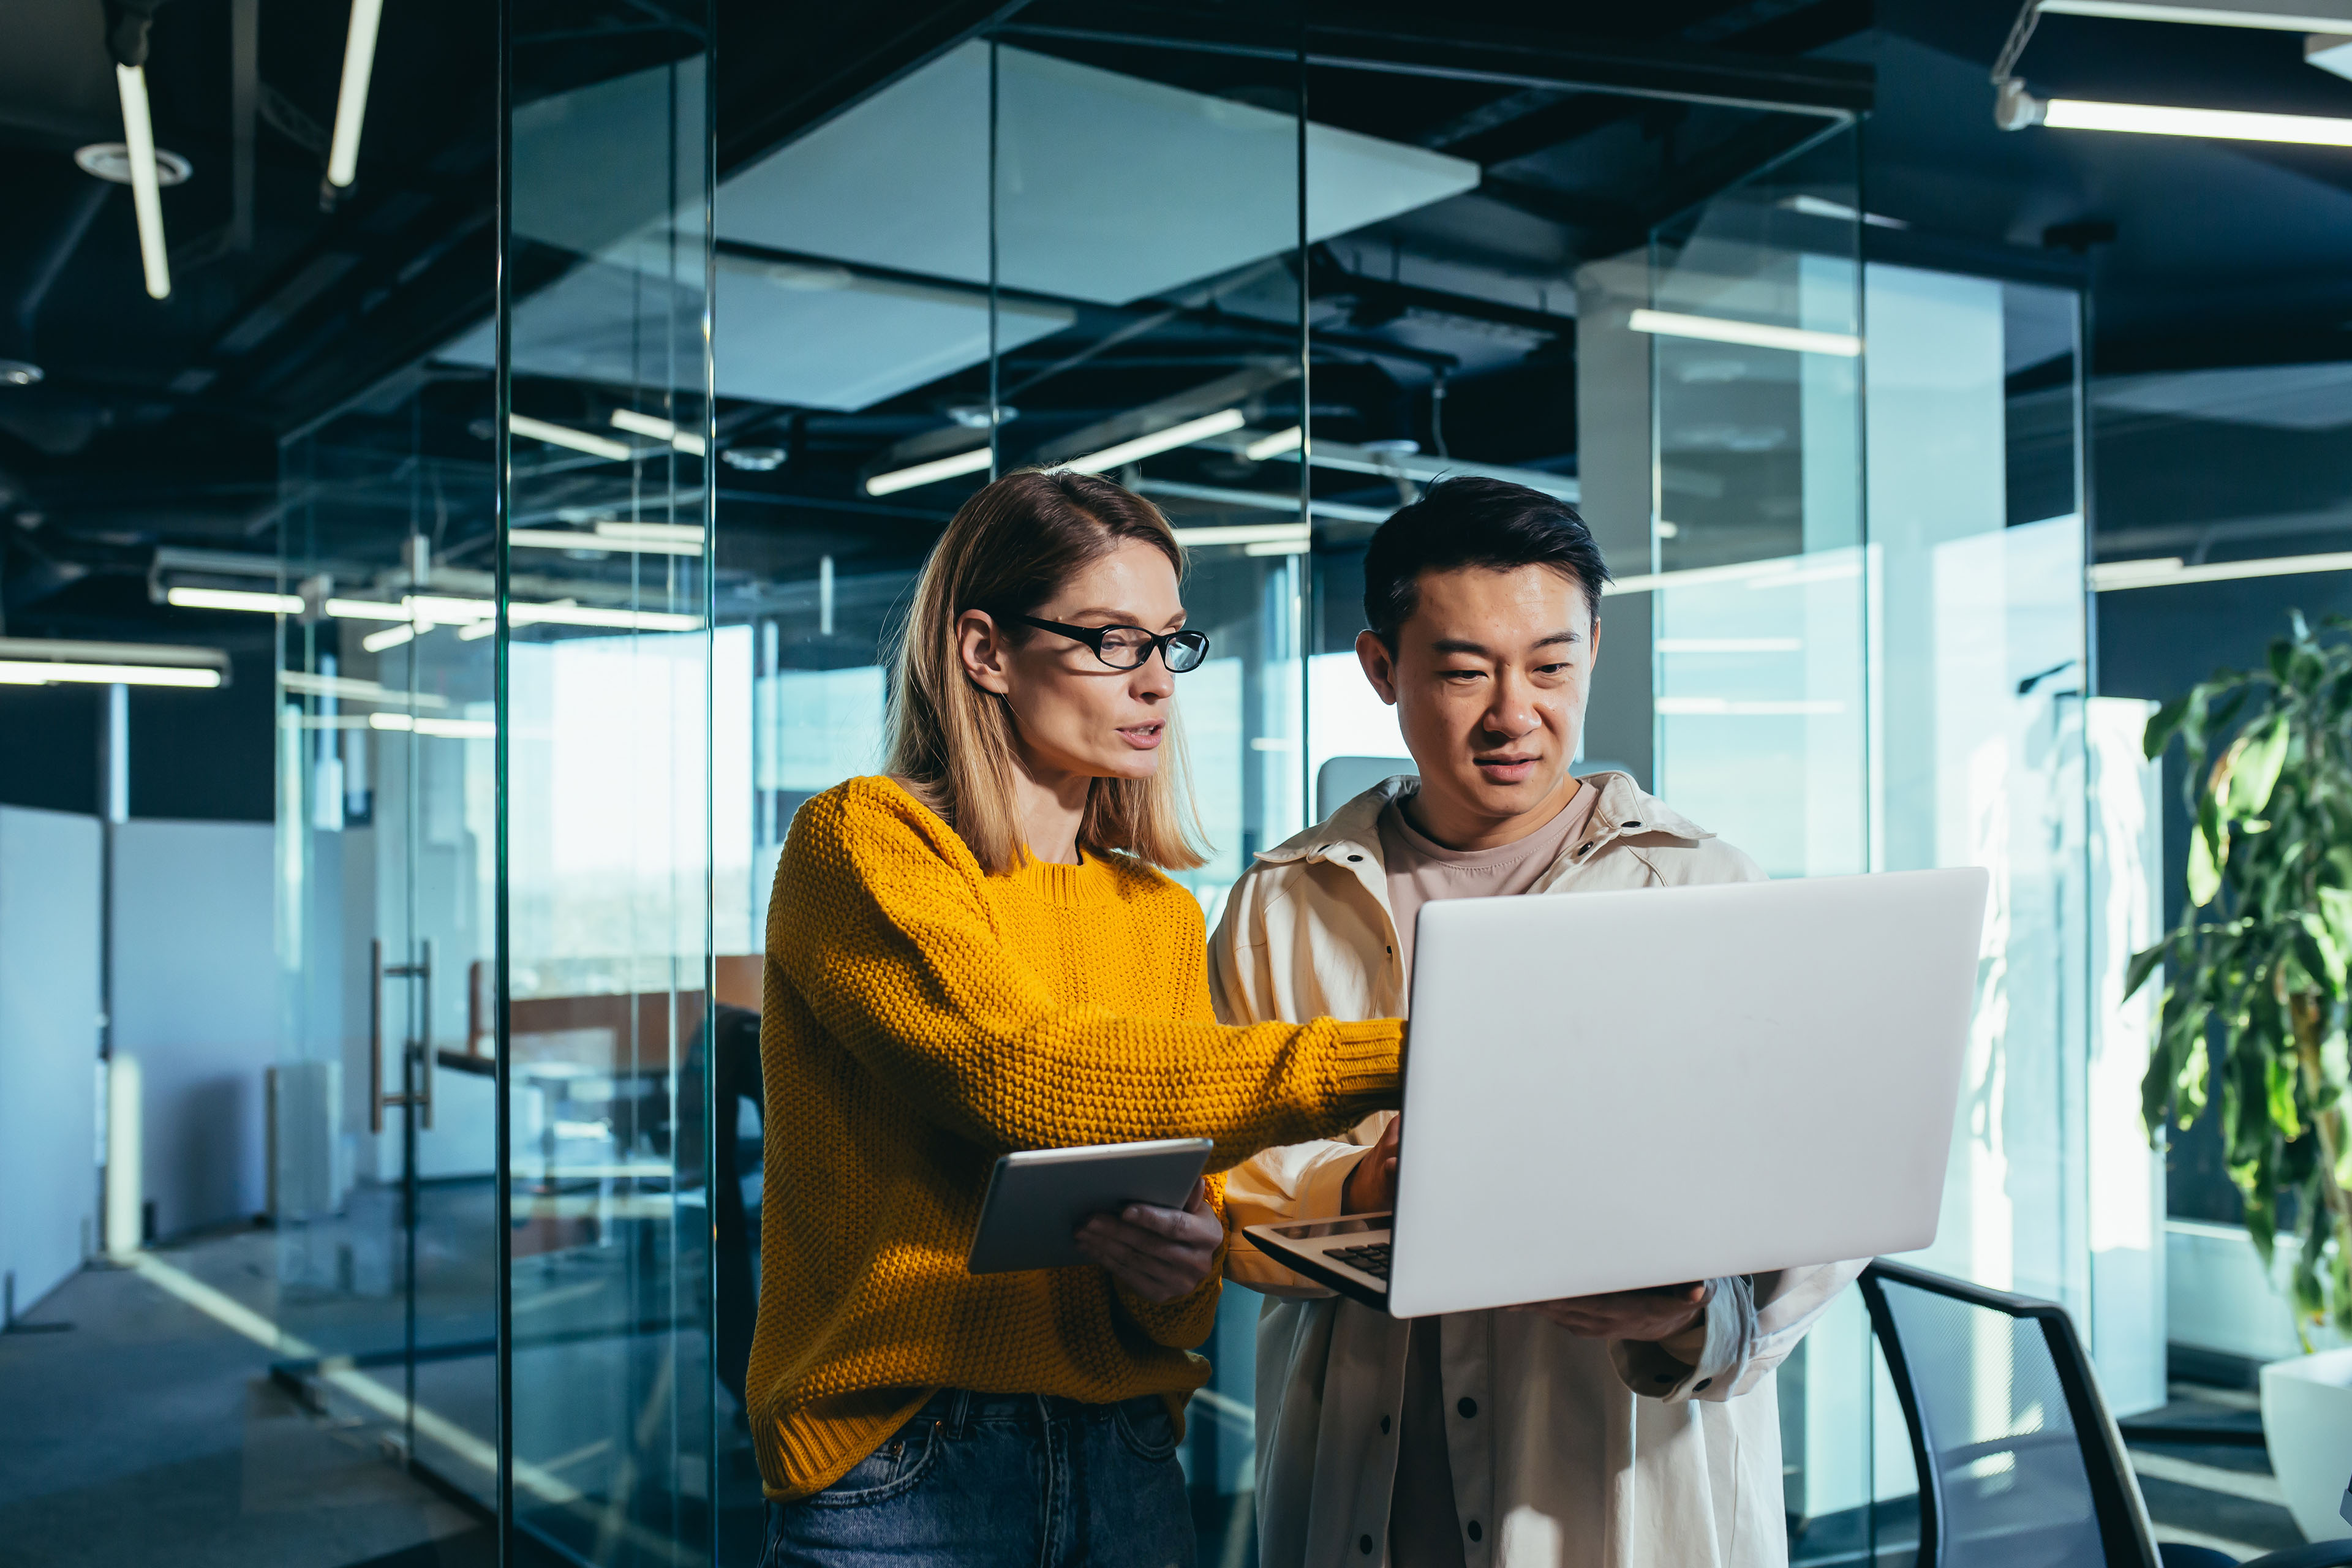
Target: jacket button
1471 1531
1364 1544
1355 856
1468 1406
1384 1425
1632 825
1700 1386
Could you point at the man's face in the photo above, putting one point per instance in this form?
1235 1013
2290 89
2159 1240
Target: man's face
1489 680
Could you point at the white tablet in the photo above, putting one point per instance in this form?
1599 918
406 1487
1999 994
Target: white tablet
1038 1198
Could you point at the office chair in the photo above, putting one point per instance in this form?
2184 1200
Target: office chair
2020 1464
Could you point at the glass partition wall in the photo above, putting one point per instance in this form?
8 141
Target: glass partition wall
593 599
495 766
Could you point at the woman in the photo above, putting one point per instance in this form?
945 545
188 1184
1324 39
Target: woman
975 954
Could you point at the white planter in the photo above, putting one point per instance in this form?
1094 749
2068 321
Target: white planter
2307 1426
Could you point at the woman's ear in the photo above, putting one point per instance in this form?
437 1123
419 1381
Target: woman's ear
981 648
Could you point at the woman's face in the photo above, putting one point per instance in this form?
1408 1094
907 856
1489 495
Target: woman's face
1077 715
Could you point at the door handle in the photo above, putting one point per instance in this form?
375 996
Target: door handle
421 1045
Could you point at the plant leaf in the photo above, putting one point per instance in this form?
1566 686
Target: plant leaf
2205 858
2143 964
2162 725
2256 773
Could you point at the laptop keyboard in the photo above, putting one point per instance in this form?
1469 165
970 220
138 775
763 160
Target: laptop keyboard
1371 1258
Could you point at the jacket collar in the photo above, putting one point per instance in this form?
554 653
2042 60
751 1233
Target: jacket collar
1623 810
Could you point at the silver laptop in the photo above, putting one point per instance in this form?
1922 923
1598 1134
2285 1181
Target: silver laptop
1619 1091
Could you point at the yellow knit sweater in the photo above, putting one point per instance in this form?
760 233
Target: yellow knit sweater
919 1018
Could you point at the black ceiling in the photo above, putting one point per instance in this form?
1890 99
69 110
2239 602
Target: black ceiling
159 424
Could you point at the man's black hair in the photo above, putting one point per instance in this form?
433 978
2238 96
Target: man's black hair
1488 523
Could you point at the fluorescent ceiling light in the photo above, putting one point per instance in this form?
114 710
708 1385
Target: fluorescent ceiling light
564 436
2218 124
390 638
438 610
1272 445
1730 644
448 729
593 616
1776 571
1279 547
1754 335
1821 207
2331 52
1260 500
938 469
1158 441
364 610
1420 466
1247 534
146 193
631 538
2170 570
345 687
676 538
2321 18
234 599
660 429
38 672
1704 707
477 631
351 103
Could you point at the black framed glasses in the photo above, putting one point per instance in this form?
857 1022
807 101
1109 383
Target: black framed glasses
1130 647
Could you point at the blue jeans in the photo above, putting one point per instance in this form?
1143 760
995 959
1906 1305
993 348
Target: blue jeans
1002 1480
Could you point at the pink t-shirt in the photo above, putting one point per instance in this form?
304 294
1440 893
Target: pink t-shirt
1422 871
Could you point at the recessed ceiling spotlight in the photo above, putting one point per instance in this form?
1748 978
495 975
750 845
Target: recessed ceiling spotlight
18 373
111 160
974 415
753 460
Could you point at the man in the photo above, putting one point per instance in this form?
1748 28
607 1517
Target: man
1637 1430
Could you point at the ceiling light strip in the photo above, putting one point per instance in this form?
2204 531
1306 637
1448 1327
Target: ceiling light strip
1274 446
2168 572
389 639
660 429
2218 124
146 190
938 469
38 672
234 599
1751 334
351 102
1158 441
594 445
2335 18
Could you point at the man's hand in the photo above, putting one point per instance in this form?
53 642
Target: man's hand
1371 1185
1159 1254
1646 1316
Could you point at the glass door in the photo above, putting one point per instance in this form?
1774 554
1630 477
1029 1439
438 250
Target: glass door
608 1019
383 1103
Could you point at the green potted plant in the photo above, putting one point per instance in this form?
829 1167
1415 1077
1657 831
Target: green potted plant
2255 1008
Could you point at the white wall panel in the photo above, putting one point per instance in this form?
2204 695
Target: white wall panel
48 1046
196 1000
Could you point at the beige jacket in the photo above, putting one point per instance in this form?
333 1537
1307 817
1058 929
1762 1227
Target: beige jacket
1566 1453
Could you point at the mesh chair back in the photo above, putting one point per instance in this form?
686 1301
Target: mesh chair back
2019 1465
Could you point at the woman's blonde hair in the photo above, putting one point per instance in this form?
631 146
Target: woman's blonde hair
1009 549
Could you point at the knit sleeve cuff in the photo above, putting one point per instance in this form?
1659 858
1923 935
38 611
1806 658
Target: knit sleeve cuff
1368 1065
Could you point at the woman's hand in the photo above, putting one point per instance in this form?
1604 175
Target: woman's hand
1159 1254
1371 1185
1646 1316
